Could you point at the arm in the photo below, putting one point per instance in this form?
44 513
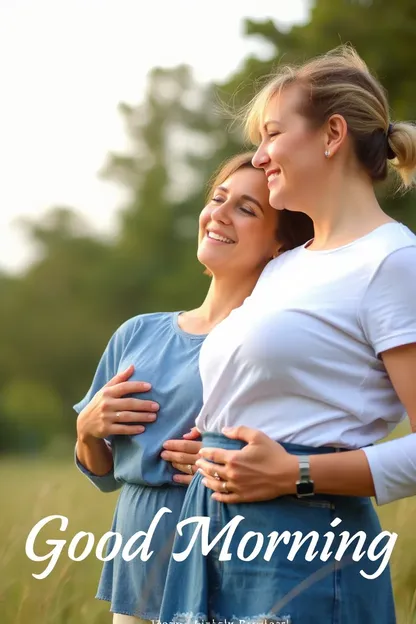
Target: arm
95 455
386 470
99 459
263 470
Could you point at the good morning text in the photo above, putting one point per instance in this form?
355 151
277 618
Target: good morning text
251 545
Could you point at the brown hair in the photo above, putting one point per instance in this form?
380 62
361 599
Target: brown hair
293 228
339 82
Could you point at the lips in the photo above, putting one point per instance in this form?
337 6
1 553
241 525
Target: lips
219 237
273 174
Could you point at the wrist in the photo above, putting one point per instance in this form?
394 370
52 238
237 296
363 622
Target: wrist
87 439
290 475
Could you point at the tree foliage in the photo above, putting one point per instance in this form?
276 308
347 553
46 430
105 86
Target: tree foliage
57 317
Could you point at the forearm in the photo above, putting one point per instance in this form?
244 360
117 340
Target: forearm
95 455
346 474
386 471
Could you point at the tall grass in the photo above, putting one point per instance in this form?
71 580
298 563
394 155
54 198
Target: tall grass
32 490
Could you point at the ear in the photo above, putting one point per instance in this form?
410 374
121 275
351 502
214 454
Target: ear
336 134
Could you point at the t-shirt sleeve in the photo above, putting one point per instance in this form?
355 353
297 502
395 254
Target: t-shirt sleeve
393 468
108 365
388 308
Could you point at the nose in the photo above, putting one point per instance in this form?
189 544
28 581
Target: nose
260 158
221 212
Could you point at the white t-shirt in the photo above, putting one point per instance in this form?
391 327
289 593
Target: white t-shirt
299 360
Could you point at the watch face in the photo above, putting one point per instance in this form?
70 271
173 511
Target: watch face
304 488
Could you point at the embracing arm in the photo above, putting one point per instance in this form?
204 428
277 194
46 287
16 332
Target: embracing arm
263 469
386 470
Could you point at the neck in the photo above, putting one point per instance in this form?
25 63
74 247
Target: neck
224 295
345 211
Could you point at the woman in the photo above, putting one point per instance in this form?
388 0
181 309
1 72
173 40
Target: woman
238 234
319 362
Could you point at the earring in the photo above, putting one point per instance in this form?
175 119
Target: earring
327 153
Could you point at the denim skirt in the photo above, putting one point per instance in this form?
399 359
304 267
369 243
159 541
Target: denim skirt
135 587
278 561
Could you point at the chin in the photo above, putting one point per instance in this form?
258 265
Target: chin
277 203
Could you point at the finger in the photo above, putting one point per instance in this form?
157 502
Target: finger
186 468
180 458
184 479
217 455
133 417
217 486
227 498
242 433
193 434
211 470
129 387
182 446
134 405
126 429
122 376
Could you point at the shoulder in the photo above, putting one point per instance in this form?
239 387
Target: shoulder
136 324
390 238
398 266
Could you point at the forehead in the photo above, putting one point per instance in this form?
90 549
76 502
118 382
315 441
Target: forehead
246 181
283 105
251 182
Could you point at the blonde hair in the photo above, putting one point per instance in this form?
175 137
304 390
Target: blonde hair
340 82
293 228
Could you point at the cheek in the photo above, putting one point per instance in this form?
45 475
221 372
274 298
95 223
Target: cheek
260 244
204 219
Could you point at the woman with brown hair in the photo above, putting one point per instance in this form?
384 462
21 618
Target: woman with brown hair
120 437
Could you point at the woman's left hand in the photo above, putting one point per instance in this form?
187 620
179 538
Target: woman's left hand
262 470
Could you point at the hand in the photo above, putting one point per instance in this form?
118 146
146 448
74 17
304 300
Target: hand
262 470
109 413
183 454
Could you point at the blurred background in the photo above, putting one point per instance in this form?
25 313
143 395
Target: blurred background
110 127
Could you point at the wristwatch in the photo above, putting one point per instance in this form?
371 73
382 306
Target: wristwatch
305 485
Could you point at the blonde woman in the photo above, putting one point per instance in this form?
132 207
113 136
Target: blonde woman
316 366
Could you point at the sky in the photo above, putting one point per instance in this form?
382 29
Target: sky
64 68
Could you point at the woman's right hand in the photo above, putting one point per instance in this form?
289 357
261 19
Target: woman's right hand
111 413
183 454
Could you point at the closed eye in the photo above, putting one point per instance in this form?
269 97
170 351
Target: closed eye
248 211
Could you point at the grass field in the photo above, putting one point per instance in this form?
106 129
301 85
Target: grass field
32 490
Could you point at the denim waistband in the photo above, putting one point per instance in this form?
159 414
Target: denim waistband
221 441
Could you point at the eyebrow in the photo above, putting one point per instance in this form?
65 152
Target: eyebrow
247 197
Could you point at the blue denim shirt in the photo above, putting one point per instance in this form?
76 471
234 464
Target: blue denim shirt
167 357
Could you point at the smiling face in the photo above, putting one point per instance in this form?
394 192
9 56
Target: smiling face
291 152
237 228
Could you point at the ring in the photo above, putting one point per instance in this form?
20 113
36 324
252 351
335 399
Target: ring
217 476
190 469
224 487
